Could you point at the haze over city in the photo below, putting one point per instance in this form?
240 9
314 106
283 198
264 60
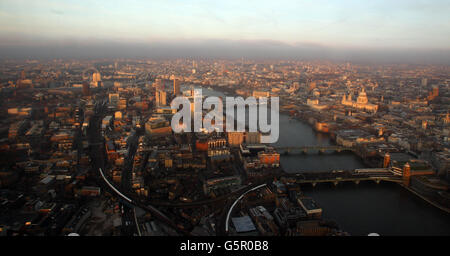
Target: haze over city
225 118
376 31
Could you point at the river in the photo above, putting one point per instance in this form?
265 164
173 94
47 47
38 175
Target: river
385 208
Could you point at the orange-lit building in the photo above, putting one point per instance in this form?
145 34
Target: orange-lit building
321 127
176 87
201 145
235 138
162 131
269 158
90 191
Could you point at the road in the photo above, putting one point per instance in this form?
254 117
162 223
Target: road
223 223
97 153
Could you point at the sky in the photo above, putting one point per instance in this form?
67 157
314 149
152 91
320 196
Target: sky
412 29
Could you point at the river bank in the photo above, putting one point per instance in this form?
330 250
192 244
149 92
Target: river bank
383 208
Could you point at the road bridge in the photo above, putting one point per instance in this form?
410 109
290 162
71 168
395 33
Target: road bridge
311 149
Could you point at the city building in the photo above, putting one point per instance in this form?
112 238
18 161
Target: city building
360 103
235 138
176 87
161 98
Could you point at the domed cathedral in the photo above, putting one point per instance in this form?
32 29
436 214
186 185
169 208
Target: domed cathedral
361 102
362 97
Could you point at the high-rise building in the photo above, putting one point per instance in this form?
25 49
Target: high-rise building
96 80
86 90
161 98
176 87
96 77
158 84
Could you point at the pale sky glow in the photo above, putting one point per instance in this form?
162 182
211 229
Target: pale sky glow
337 28
399 23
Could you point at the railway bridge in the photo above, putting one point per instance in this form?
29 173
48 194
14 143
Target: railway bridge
335 177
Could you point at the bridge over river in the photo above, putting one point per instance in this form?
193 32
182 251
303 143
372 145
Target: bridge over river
335 177
311 149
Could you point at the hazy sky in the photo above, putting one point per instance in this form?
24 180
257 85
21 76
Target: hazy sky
335 25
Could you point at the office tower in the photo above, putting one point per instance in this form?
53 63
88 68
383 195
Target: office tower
161 97
176 87
86 89
158 84
96 77
96 80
